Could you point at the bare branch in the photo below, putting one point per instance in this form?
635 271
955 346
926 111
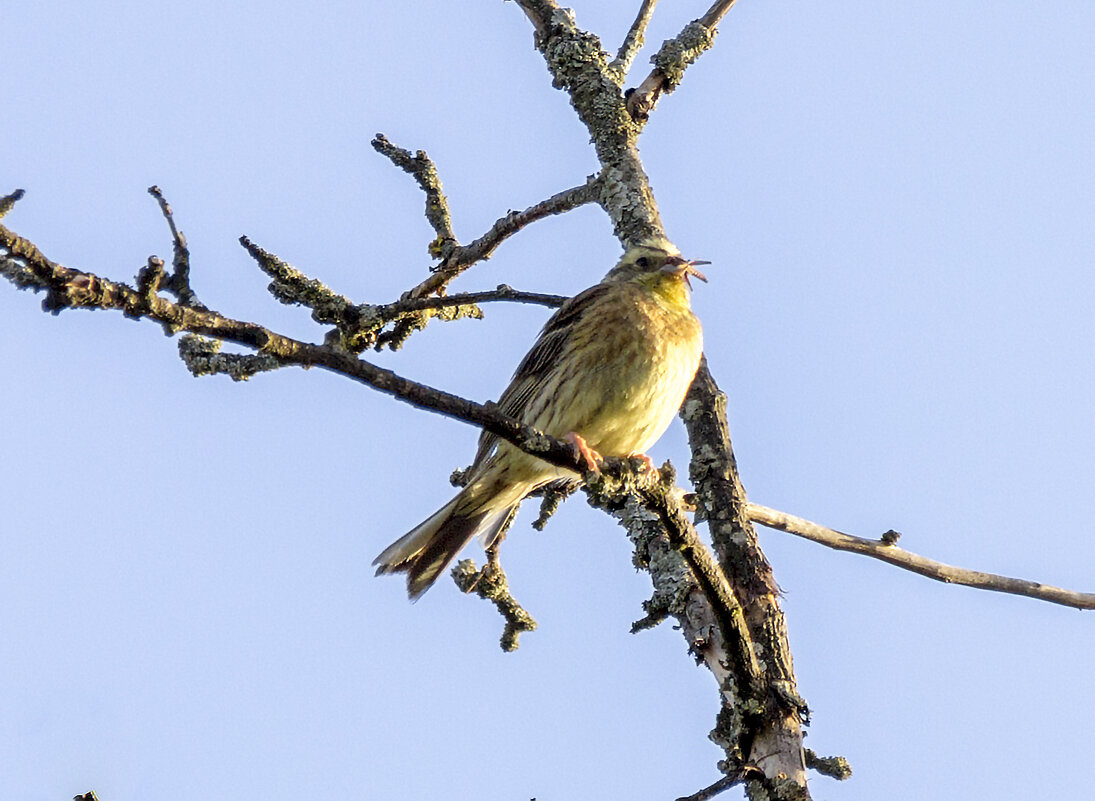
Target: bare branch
634 40
23 264
437 206
769 735
835 767
539 13
579 65
674 57
887 551
8 201
202 357
359 325
290 286
719 787
503 292
613 488
715 14
491 584
363 324
464 256
179 282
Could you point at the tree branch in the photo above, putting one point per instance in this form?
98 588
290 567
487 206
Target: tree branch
887 551
579 65
179 281
23 264
360 326
767 733
617 486
491 584
674 57
7 202
455 258
437 205
634 40
503 292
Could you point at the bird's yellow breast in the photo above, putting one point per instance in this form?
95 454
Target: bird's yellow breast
640 349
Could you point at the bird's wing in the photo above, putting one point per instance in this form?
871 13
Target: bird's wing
537 369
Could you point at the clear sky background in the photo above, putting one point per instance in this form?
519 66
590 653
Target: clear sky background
898 203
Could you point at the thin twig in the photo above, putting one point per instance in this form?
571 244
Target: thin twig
9 201
504 292
634 40
455 258
359 326
885 550
504 227
290 286
721 786
179 282
835 767
437 206
491 584
674 57
715 14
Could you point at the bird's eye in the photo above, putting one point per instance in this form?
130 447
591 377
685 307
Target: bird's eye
643 262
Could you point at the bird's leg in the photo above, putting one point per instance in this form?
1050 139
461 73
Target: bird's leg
648 463
588 455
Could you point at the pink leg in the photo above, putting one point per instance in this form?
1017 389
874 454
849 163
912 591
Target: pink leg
589 456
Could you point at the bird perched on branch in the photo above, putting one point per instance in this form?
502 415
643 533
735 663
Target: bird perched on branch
608 372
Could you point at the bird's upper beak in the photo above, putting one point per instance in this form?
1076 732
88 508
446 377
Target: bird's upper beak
678 265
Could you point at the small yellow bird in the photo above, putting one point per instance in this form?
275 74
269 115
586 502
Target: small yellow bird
608 372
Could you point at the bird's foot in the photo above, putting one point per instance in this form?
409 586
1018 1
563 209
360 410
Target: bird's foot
648 463
586 453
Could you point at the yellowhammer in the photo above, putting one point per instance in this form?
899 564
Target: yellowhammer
608 372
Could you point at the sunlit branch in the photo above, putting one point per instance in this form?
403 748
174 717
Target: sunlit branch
887 551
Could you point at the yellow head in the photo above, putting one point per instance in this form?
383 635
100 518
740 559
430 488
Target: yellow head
659 265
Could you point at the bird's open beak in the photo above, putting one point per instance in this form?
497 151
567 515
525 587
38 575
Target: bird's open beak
683 267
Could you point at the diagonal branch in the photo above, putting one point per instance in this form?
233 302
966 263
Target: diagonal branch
437 205
887 551
769 737
674 57
634 40
359 326
455 258
66 288
579 66
503 292
179 281
614 489
7 202
504 227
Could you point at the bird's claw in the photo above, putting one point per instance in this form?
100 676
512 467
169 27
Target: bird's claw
585 453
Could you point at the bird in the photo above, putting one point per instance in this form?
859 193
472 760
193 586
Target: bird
608 373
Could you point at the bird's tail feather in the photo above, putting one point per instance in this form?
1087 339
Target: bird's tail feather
425 551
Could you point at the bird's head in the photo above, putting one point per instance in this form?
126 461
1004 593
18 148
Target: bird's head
655 260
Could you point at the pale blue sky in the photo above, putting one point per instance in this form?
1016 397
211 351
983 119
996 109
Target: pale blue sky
897 201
